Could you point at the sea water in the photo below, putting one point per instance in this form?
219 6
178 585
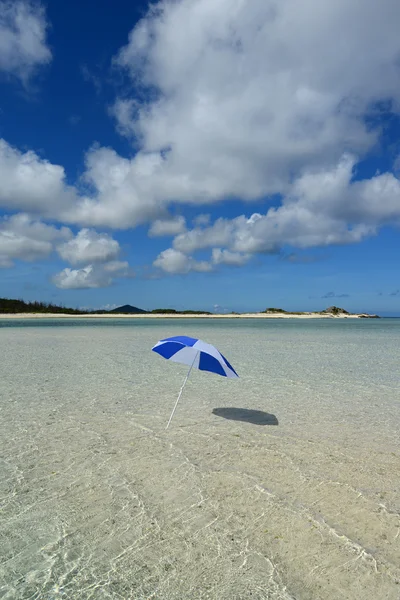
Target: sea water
284 484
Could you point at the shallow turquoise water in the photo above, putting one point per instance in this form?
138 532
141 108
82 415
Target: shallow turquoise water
99 501
387 325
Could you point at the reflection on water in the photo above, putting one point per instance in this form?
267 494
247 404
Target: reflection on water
99 501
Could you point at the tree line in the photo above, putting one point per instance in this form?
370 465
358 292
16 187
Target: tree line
10 305
13 306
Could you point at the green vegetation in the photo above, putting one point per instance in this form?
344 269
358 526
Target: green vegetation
8 305
335 310
194 312
12 306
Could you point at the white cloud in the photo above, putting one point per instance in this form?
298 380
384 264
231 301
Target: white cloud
377 200
119 195
32 184
226 257
25 239
88 246
75 279
202 219
251 94
162 227
90 276
324 207
249 100
13 246
98 249
219 234
118 266
23 45
124 113
124 191
174 262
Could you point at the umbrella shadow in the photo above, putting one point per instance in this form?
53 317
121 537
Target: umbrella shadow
256 417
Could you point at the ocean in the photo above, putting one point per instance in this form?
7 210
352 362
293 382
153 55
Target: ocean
283 484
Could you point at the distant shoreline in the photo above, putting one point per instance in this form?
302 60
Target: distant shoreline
187 316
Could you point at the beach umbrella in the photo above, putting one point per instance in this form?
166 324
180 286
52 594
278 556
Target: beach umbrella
196 354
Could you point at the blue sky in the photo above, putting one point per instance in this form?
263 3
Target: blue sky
217 156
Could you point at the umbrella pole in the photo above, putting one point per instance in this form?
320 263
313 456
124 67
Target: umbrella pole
181 390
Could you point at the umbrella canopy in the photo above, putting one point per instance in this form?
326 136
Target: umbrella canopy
196 354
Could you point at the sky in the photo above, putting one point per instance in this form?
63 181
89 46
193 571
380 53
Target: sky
221 155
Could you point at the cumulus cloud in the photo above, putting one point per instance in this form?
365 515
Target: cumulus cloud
218 234
90 276
32 184
126 192
234 259
27 239
22 238
323 208
247 100
374 201
75 279
119 195
248 95
162 227
101 251
23 46
88 246
174 262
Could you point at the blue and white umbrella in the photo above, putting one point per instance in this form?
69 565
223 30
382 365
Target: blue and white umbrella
194 353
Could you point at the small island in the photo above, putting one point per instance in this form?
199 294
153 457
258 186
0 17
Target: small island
10 308
331 312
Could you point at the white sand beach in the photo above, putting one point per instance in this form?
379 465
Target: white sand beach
281 485
306 315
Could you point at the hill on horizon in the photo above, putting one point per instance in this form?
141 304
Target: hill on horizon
127 309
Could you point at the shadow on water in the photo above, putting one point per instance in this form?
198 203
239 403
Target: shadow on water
256 417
